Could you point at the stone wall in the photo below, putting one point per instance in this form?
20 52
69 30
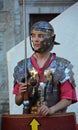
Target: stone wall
6 42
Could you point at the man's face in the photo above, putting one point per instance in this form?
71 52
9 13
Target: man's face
37 38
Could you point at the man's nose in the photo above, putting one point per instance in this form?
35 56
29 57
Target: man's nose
37 38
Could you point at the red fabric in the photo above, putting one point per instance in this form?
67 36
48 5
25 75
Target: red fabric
16 89
40 70
68 92
46 65
76 126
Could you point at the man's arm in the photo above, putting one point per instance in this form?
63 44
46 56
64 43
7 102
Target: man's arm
62 104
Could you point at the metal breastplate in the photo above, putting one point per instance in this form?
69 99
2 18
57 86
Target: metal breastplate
52 94
58 72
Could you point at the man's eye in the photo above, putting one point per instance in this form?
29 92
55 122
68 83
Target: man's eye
41 35
32 35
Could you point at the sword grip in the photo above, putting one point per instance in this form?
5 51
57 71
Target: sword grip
26 103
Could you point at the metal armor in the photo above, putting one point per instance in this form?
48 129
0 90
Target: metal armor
58 72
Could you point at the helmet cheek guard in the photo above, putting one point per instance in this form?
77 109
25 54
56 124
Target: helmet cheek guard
47 44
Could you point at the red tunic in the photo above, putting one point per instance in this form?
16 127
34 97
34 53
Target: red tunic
67 91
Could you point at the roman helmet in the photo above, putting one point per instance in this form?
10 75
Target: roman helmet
47 30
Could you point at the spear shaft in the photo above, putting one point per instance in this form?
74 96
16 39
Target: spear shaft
26 100
25 36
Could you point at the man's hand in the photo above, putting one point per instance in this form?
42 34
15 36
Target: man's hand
43 110
22 88
20 97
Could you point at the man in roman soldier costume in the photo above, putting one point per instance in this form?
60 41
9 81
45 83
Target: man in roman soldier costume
50 85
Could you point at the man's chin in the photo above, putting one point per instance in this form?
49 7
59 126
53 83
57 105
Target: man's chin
36 49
